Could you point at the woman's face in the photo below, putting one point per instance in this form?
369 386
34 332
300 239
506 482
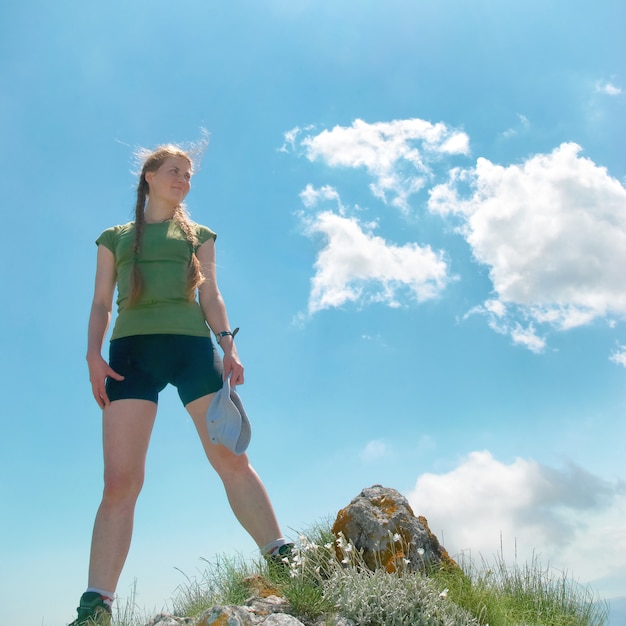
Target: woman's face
172 181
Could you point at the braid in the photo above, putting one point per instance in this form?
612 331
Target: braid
136 280
195 277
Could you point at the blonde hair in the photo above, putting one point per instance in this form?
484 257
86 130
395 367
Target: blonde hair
151 161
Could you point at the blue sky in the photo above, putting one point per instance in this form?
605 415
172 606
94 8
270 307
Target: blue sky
421 218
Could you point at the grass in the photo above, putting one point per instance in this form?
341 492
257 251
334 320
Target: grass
502 595
221 582
319 584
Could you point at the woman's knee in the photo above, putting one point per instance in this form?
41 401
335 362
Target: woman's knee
122 486
229 465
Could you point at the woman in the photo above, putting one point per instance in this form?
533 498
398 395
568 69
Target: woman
160 262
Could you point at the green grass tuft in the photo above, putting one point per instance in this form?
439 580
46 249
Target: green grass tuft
500 595
222 581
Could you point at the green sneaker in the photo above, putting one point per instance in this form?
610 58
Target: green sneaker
92 611
285 551
282 557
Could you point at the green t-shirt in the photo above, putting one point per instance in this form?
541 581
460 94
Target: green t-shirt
163 307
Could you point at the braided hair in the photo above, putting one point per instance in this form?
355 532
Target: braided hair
151 162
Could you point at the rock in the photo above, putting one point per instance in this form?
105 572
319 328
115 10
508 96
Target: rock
257 610
227 616
267 606
259 586
337 620
164 619
381 524
281 619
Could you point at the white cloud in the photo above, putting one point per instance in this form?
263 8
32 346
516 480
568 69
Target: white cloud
290 138
608 88
552 232
357 266
619 356
495 308
397 154
572 519
374 450
527 337
311 196
523 124
503 323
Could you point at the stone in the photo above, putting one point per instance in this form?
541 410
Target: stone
164 619
227 616
258 586
281 619
257 610
268 605
337 620
381 525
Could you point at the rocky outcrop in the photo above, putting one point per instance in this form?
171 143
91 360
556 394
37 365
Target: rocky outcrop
380 524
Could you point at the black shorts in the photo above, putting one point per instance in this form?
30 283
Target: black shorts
149 362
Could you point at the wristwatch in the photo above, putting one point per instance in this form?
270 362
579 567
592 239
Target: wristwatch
225 333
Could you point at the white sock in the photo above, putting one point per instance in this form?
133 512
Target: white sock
273 547
107 596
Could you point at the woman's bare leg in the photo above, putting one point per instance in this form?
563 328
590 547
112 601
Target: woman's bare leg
244 489
127 426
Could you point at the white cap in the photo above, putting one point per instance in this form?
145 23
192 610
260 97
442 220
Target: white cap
227 421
